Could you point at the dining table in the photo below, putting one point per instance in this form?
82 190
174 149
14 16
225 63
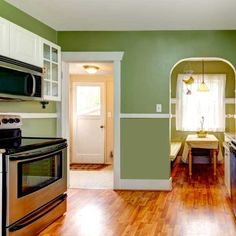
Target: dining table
208 142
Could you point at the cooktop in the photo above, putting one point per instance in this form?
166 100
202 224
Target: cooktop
13 145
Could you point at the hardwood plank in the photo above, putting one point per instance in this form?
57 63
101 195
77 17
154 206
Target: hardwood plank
196 206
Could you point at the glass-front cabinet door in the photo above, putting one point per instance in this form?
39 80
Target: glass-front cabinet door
51 66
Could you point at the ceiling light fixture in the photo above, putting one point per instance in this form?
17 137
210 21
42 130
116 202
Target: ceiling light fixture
203 87
91 69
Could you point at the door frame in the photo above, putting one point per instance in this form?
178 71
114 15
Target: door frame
103 109
63 108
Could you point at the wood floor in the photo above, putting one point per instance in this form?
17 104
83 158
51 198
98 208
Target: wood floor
195 207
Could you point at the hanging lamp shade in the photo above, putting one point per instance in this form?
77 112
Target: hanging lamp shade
203 87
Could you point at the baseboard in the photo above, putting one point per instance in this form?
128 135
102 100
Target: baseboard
146 184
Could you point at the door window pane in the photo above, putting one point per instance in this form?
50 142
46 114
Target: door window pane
88 100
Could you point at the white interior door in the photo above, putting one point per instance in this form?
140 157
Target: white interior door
88 122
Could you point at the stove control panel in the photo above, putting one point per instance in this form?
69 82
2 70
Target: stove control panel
10 121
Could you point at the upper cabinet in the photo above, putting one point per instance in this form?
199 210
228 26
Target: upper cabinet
24 45
4 37
52 68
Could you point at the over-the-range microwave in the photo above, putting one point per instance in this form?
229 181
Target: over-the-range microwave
19 80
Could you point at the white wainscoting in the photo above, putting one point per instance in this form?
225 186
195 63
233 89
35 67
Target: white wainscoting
32 115
146 184
144 115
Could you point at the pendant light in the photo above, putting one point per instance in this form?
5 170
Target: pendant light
203 87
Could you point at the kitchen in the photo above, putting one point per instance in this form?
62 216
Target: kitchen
144 83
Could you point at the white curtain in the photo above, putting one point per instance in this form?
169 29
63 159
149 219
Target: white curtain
210 105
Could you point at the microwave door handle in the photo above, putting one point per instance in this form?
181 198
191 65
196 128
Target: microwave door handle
34 85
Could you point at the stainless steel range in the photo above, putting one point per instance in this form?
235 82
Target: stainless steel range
33 179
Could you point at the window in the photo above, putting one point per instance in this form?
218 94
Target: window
190 108
88 100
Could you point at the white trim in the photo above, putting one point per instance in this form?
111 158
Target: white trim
32 115
227 100
92 56
144 115
114 57
227 116
146 184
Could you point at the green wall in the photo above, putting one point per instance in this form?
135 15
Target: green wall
145 70
34 127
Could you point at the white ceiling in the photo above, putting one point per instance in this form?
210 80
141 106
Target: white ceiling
104 68
132 14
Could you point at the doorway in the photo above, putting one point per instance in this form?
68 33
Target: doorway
91 126
188 102
88 118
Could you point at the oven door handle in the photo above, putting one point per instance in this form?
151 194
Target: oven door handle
37 154
42 211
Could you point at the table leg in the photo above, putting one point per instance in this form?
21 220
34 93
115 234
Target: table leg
214 161
190 160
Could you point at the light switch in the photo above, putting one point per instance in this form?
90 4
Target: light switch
158 107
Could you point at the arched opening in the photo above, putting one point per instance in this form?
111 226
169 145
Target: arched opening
181 72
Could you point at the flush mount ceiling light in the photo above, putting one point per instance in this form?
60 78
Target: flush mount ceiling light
91 69
203 87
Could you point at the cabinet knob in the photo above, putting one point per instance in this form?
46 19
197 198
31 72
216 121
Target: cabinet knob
102 126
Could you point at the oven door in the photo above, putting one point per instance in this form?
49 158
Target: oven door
35 178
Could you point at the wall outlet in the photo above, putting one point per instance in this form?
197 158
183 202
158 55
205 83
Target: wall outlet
158 107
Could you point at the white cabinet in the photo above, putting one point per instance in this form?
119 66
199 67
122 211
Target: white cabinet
24 45
52 71
4 37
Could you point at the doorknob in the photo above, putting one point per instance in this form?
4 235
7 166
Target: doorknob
102 126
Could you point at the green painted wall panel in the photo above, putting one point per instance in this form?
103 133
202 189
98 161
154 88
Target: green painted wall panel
26 21
39 127
142 152
25 106
149 57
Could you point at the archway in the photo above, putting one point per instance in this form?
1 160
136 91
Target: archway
229 98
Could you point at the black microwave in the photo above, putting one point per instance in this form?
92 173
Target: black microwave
19 80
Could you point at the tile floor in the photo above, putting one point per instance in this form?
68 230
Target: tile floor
101 179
